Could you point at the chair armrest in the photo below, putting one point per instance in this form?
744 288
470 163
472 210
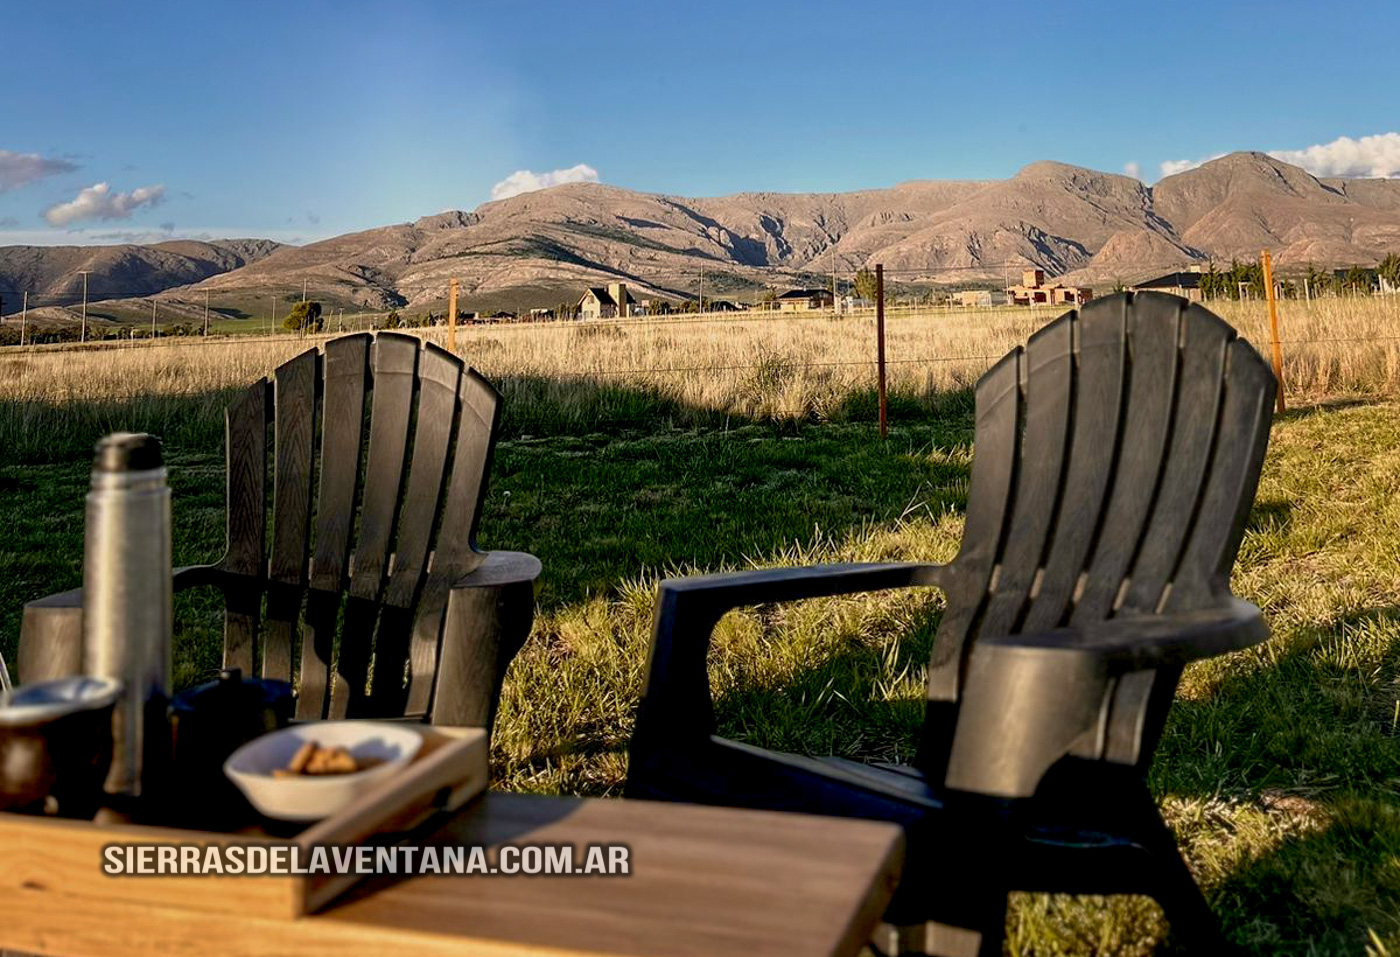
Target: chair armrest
457 678
1139 642
1030 700
51 630
676 697
501 568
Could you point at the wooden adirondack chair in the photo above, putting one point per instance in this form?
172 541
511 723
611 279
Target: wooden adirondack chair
1117 455
405 434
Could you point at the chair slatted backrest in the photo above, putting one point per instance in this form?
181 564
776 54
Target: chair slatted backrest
1116 457
380 448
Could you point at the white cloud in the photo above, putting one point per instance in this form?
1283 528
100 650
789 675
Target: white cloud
1132 169
99 202
526 181
1377 155
1172 167
17 169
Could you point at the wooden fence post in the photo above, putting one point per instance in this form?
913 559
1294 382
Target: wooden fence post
1273 325
880 343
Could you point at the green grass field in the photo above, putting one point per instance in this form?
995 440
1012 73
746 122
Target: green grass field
1281 765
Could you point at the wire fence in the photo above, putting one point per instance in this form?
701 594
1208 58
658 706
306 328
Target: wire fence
67 308
935 327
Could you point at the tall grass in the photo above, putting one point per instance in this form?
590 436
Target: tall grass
562 377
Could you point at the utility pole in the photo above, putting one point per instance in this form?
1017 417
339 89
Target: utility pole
831 250
206 313
153 317
270 301
452 317
303 290
84 273
23 318
700 303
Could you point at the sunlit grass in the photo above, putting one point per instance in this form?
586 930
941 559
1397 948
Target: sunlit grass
1280 768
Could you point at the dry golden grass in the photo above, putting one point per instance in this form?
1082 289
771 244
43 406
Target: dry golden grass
1331 346
763 367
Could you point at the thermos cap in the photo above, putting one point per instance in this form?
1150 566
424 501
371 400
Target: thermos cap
128 452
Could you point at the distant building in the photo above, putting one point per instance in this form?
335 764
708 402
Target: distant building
1186 284
1369 279
610 302
541 314
1035 290
976 298
720 305
800 300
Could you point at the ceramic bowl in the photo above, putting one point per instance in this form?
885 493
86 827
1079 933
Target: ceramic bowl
312 797
56 745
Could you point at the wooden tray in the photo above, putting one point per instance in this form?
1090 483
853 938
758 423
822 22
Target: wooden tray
39 853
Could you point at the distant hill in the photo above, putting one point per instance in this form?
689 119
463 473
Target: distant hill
544 247
52 273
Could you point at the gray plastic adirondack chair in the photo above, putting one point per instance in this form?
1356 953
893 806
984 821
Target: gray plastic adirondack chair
381 445
1117 455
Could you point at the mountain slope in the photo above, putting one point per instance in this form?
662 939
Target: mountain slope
1241 203
544 247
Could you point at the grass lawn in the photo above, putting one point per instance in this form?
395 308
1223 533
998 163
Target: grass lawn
1280 768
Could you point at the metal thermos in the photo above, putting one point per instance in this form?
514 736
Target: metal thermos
126 601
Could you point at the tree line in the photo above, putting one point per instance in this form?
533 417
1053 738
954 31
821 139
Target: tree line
1247 279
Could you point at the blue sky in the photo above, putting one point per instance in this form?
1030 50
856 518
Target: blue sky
300 120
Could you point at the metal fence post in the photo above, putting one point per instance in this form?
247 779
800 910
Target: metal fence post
880 343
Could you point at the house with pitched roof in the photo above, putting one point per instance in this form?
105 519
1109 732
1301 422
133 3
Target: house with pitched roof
798 300
606 302
1186 284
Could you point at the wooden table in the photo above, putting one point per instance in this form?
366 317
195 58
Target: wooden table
704 881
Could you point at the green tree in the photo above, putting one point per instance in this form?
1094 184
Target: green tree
1389 270
866 286
1245 276
1213 284
304 317
1319 281
1356 281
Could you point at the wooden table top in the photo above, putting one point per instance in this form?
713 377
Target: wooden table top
703 881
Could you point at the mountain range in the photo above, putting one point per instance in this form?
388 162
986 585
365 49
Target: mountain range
544 247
